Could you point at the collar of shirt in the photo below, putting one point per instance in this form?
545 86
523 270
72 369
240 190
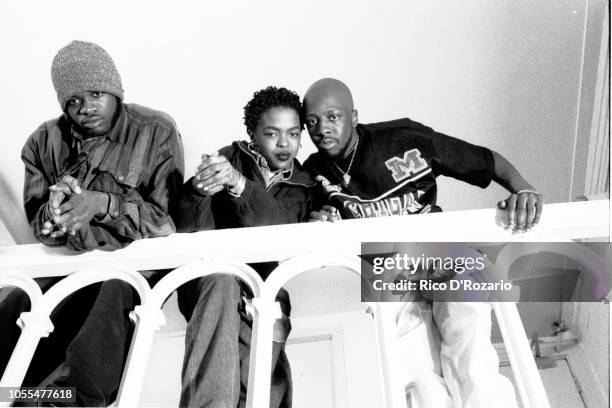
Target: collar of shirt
270 176
84 148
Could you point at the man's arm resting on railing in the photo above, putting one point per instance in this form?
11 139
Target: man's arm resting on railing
524 205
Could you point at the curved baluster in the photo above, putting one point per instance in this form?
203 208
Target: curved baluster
89 276
185 273
268 310
31 331
37 323
150 317
23 282
526 374
384 314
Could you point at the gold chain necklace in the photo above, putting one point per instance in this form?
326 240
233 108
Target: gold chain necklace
346 178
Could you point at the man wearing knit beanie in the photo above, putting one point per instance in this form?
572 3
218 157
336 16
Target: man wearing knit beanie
84 66
102 174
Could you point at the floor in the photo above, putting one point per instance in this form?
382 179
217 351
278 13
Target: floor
561 388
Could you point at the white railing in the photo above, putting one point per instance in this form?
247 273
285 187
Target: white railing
306 246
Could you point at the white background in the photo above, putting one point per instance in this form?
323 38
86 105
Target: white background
507 75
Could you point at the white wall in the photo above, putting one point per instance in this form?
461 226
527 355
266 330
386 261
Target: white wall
503 74
594 331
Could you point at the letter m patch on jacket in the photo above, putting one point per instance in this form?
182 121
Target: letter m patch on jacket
412 163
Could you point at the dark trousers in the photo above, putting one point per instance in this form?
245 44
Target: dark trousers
91 337
217 345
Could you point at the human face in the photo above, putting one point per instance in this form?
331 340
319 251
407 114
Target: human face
278 135
93 112
330 123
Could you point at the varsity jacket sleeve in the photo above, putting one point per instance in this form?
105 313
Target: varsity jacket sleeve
462 160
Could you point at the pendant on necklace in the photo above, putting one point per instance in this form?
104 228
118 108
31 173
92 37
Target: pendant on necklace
346 179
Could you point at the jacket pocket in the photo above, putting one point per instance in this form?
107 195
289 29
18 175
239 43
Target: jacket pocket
128 175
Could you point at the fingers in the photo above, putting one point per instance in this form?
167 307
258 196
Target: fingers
199 187
521 211
72 230
56 198
210 161
72 183
63 208
327 213
71 224
213 173
68 217
219 174
209 168
530 210
62 220
209 187
333 213
212 189
533 210
221 178
65 187
524 209
47 228
58 193
510 207
61 187
538 209
205 156
58 234
318 216
53 230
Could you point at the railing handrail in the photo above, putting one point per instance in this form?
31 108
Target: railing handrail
559 222
194 254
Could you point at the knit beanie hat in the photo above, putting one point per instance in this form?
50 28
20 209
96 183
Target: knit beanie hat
83 66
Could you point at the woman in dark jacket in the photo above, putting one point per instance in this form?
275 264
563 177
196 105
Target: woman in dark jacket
245 184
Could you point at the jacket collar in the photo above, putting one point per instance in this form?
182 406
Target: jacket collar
297 174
